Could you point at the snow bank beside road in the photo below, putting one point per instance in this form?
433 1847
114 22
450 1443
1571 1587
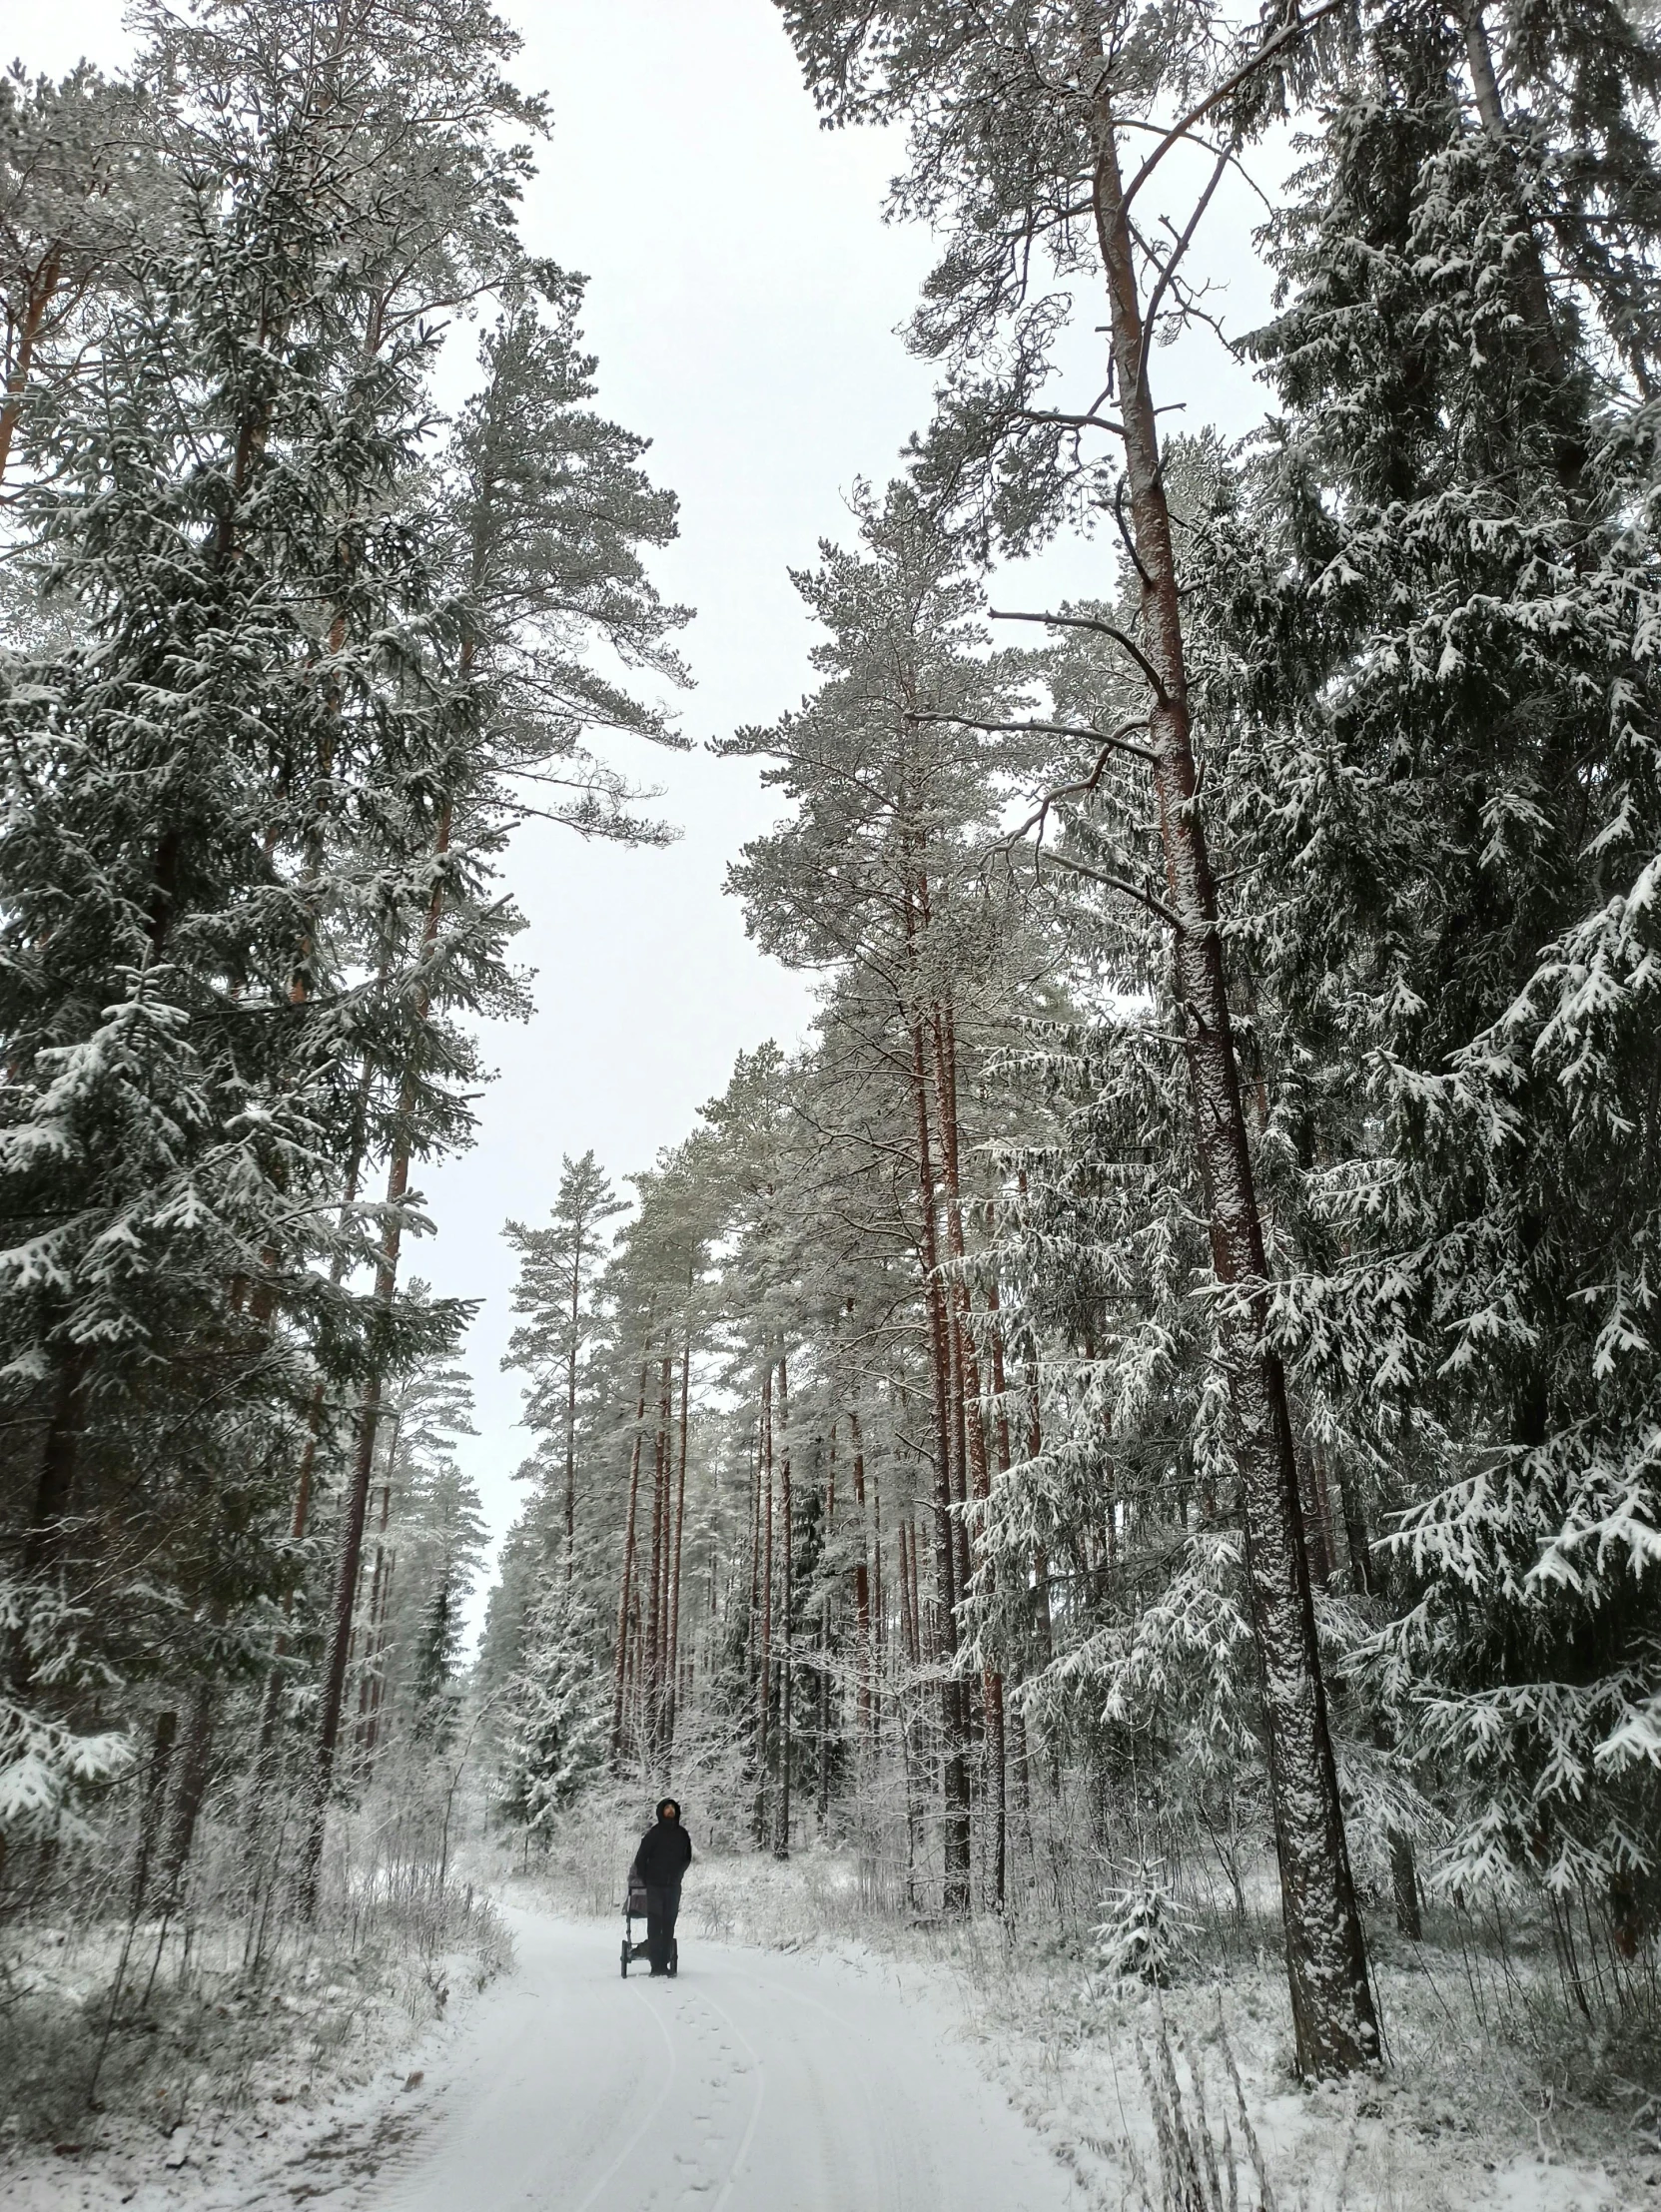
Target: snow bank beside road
298 2076
1453 2123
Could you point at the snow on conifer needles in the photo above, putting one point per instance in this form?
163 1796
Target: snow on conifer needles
286 657
1145 1421
1202 1251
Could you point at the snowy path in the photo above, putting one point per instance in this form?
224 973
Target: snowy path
755 2082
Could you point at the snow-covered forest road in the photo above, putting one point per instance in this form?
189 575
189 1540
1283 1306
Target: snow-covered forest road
755 2080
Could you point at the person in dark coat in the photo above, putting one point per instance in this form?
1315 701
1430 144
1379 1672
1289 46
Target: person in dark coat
665 1854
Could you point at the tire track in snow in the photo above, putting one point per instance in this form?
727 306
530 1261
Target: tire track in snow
640 2133
889 2184
544 2102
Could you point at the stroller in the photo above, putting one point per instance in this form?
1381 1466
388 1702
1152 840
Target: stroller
635 1908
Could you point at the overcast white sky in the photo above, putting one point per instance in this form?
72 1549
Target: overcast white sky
744 296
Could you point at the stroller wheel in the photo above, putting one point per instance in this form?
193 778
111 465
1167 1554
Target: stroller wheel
625 1957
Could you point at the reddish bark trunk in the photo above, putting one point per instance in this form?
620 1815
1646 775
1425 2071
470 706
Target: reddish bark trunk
354 1508
655 1587
680 1524
570 1405
955 1775
862 1584
622 1653
41 295
1333 2008
764 1707
781 1836
908 1636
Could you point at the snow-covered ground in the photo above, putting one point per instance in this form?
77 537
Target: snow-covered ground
755 2082
844 2078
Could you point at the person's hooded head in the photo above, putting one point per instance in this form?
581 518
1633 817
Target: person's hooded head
668 1809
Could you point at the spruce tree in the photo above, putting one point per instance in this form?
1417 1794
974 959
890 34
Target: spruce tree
554 1724
1433 605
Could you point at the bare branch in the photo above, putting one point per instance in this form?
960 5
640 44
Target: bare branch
1103 629
1287 35
1206 146
1110 741
1144 898
1150 319
1129 541
1080 790
1071 421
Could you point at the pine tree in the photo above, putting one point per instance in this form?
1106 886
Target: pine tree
1023 119
559 1266
279 655
895 763
547 549
78 184
426 1557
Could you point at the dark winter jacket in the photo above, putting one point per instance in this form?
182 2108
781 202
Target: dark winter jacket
666 1852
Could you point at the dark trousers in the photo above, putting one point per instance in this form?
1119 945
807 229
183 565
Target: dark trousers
662 1904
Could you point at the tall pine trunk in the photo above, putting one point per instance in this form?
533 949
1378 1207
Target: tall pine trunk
1332 2009
355 1510
954 1775
979 1480
192 1770
620 1658
781 1834
862 1588
570 1405
765 1699
680 1525
655 1613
